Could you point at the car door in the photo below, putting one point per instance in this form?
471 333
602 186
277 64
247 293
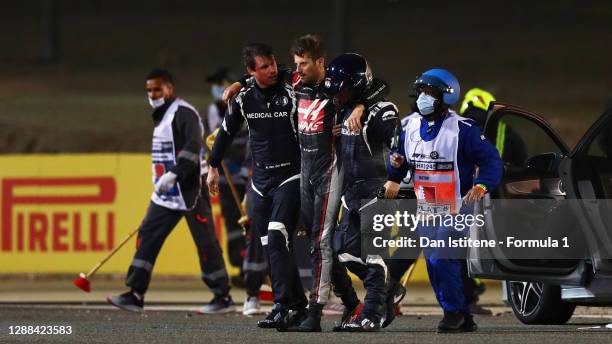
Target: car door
587 176
531 152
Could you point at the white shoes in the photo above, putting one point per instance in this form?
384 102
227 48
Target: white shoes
251 306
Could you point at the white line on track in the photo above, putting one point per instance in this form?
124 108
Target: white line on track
183 308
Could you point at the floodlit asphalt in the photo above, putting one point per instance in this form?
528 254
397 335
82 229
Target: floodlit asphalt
180 324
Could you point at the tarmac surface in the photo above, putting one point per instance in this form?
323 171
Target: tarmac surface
170 317
101 324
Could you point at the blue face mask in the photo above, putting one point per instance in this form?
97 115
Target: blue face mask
217 92
426 104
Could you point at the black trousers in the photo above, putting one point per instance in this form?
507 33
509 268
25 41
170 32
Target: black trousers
235 237
275 217
254 264
372 270
157 224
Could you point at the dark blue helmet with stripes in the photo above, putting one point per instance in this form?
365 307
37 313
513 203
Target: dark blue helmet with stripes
347 71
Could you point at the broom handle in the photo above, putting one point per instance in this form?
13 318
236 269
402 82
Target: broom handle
209 142
410 272
232 187
111 253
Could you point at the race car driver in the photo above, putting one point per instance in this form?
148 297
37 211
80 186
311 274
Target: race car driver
322 176
365 173
321 179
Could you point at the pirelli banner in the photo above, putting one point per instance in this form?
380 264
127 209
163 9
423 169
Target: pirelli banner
63 213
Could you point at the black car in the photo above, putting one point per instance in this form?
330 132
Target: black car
539 165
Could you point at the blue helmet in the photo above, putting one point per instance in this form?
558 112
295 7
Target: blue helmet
348 70
443 81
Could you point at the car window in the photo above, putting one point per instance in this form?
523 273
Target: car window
596 164
601 146
519 138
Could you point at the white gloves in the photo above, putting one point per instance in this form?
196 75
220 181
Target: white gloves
165 182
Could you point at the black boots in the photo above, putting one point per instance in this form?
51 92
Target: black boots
361 324
312 323
129 301
277 318
395 295
455 322
350 314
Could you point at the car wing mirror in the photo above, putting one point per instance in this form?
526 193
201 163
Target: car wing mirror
547 163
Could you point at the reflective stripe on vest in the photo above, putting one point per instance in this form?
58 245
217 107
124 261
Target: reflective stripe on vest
163 158
436 173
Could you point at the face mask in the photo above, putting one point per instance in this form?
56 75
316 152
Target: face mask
155 103
426 104
217 92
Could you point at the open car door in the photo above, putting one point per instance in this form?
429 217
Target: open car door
532 152
587 176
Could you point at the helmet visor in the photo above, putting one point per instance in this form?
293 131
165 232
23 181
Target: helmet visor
433 82
332 87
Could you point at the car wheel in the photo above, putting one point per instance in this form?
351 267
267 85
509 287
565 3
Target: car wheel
538 303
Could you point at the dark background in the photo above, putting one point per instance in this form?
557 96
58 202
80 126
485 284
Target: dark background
74 81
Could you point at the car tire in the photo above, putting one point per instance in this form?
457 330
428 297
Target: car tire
538 303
